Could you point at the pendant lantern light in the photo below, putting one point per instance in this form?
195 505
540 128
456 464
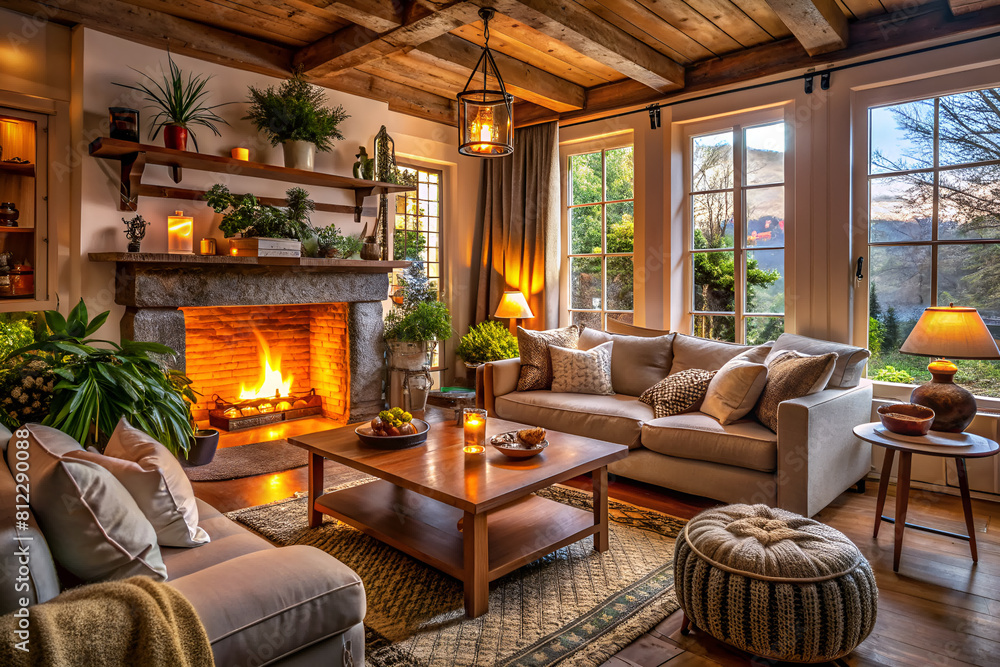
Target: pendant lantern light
485 118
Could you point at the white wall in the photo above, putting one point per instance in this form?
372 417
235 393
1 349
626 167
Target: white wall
100 60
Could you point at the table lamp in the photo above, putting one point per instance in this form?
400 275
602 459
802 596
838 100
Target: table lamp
514 307
959 333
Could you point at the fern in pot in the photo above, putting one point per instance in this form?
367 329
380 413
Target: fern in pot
295 115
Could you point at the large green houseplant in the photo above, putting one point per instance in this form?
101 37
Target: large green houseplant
295 115
84 386
413 327
180 103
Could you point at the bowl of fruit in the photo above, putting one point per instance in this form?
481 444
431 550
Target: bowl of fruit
393 429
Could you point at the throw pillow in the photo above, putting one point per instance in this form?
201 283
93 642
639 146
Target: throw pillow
734 390
536 362
582 371
792 376
851 360
157 483
92 525
677 393
702 353
637 363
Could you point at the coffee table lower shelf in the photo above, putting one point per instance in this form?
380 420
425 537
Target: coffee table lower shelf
488 546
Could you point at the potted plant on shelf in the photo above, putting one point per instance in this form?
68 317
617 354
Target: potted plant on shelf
83 386
334 244
246 216
413 328
487 341
135 232
180 104
295 115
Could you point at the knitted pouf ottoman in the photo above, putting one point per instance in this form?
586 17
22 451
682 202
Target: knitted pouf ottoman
773 583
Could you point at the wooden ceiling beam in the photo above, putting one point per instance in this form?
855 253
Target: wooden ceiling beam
377 15
927 23
584 31
400 97
819 25
966 6
357 44
161 30
521 79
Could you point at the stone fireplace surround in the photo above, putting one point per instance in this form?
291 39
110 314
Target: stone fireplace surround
154 287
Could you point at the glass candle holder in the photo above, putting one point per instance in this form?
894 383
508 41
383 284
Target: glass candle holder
240 153
180 233
474 423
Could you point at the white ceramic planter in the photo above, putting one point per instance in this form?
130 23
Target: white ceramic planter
299 154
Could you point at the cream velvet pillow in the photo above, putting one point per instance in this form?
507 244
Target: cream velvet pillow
734 390
92 525
582 371
156 480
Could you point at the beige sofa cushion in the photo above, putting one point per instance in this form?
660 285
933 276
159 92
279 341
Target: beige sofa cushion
582 371
93 526
850 360
710 355
697 436
637 363
536 362
615 418
736 387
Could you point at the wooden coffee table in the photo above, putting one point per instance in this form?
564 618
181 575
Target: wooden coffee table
423 492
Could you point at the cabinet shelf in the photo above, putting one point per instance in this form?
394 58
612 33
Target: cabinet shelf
17 230
18 169
135 156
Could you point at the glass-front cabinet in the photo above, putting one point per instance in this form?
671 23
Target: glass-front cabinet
23 217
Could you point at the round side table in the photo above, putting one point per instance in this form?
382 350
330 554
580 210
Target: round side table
959 446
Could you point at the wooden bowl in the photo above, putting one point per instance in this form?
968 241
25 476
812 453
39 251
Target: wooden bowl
368 437
509 445
906 418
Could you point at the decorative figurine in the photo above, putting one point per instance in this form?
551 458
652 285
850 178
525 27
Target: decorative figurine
365 166
135 232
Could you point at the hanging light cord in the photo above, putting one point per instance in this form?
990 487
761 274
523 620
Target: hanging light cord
486 49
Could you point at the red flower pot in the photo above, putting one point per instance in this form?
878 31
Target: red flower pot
175 136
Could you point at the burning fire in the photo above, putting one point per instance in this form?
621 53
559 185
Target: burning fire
272 383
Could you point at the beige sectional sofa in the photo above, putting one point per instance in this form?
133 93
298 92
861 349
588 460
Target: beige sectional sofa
812 458
260 604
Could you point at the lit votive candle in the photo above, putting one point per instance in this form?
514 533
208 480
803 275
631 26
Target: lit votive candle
475 431
240 153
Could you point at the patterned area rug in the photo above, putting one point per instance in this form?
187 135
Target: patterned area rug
572 607
259 458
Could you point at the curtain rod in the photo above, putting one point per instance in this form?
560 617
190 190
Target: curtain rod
808 75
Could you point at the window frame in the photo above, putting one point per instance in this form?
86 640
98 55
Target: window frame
440 219
737 122
862 102
612 141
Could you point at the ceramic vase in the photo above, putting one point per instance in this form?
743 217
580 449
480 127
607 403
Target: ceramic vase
175 136
299 154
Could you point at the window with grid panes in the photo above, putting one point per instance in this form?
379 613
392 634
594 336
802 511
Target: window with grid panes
933 226
737 243
417 233
601 232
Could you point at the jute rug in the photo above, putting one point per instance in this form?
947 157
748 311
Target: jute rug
572 607
259 458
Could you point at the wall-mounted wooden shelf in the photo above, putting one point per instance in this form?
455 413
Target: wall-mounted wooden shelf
17 230
18 169
134 157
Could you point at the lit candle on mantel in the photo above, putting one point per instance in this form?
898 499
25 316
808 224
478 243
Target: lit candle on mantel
475 431
180 233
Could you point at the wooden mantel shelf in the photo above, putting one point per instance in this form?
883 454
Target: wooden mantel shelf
162 259
134 157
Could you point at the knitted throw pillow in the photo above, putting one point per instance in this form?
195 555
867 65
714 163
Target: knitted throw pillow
582 371
678 392
792 376
536 362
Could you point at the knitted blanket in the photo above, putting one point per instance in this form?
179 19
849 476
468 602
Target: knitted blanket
137 621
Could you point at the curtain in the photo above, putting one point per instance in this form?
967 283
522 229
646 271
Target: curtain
519 223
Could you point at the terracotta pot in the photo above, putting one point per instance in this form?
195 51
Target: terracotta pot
299 154
175 136
202 451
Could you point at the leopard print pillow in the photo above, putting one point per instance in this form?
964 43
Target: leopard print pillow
678 392
536 362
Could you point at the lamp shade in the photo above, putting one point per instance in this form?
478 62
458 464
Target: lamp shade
513 306
954 332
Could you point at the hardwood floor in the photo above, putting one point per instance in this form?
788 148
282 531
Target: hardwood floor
939 609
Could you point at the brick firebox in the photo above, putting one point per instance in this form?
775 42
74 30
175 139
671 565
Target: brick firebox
309 341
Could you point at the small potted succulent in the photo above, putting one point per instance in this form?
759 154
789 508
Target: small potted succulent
295 115
180 103
135 232
487 341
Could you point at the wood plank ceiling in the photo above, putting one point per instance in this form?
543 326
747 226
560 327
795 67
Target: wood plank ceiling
559 58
